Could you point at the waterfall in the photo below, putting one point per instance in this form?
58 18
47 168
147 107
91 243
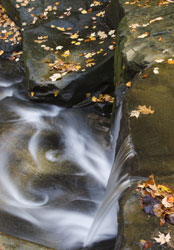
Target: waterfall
109 208
57 185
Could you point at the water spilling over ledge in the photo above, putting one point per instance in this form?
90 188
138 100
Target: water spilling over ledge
56 174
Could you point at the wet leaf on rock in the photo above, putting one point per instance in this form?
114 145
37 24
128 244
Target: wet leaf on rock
146 244
141 110
162 239
157 200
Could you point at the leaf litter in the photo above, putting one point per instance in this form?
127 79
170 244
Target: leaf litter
157 200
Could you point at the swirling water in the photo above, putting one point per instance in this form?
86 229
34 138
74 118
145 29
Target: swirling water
58 187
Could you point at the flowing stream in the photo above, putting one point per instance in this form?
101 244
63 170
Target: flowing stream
58 187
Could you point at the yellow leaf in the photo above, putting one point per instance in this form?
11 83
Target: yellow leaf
74 36
56 93
94 99
170 61
128 84
84 12
164 188
77 43
1 52
61 28
66 53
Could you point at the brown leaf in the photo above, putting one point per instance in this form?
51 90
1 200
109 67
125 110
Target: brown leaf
145 110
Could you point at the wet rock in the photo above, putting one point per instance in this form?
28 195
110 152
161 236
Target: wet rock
152 135
144 34
9 243
74 39
136 225
145 47
10 36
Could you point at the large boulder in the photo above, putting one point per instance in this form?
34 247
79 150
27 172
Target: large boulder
68 47
144 56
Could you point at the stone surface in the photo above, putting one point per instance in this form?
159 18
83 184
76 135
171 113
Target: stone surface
151 85
91 56
137 226
10 36
134 53
10 243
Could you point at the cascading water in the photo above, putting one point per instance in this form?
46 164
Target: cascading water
108 210
55 181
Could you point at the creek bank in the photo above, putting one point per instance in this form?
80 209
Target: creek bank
145 38
72 37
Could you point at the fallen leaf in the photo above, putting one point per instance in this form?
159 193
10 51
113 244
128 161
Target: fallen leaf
55 77
102 34
159 60
143 35
66 53
145 76
74 36
145 110
156 70
56 93
162 239
84 12
170 199
170 61
135 113
146 244
61 28
166 203
59 47
128 84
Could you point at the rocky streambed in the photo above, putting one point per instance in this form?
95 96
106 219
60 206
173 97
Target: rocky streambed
68 53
